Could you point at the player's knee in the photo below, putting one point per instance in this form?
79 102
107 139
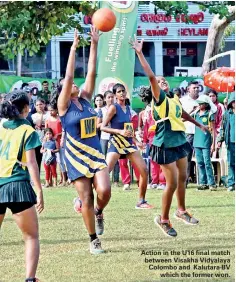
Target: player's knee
106 193
88 199
144 171
183 177
172 184
31 235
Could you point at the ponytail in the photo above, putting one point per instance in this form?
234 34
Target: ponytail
14 104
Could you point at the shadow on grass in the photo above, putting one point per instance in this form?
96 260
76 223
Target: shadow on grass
214 206
47 218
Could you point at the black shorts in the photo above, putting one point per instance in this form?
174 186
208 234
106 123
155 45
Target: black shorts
15 207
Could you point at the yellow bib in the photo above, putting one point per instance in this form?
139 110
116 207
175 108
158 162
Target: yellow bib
11 142
129 126
88 127
174 113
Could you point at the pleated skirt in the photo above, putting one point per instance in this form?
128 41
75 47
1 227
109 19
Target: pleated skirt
17 191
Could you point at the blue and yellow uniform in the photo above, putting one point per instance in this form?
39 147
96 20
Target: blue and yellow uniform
118 143
169 143
83 154
16 137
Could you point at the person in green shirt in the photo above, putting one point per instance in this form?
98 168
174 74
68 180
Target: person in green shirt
227 134
45 94
204 144
18 141
170 147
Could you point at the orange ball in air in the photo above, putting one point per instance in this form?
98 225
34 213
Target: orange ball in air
104 19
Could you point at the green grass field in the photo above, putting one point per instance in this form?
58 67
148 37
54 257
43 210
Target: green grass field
129 233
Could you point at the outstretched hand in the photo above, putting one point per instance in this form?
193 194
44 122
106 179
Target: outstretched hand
135 44
76 39
94 34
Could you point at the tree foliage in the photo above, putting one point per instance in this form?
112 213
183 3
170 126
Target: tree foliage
181 7
31 24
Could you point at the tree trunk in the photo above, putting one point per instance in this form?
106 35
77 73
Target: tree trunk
18 64
215 36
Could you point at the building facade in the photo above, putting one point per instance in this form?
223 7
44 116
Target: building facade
163 37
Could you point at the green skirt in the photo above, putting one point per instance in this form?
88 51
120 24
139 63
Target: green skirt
163 155
18 191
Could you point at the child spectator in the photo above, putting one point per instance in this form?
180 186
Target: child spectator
220 109
53 121
227 134
204 144
49 150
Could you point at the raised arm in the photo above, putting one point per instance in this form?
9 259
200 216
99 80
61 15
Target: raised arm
137 46
88 88
65 95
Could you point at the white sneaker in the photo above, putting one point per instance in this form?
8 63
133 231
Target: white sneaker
154 186
96 247
149 186
126 187
161 187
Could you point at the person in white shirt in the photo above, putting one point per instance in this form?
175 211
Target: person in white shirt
190 104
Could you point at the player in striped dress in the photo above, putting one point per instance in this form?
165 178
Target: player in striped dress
85 162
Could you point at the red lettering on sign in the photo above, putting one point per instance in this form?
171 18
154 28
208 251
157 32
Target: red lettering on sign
194 18
193 32
152 18
139 32
156 32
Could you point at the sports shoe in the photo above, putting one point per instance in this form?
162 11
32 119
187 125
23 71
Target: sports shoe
126 187
213 187
152 186
166 228
96 247
161 187
143 205
99 224
77 205
202 187
231 189
186 217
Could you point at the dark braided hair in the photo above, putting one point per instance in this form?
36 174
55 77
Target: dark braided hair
14 104
146 94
